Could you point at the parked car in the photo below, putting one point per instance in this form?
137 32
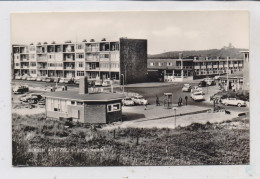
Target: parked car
49 80
76 81
41 101
62 80
202 84
186 88
18 77
197 96
32 98
44 79
24 77
128 101
106 83
20 89
33 79
68 81
233 102
28 78
98 83
38 79
56 80
139 100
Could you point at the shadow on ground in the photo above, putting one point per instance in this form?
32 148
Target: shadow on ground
129 116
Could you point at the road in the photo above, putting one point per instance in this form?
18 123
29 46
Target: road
150 91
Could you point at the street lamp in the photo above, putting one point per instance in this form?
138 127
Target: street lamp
123 83
175 116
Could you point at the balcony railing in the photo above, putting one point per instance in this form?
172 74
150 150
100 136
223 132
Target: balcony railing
94 69
69 67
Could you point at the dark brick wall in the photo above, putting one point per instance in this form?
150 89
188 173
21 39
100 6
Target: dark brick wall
133 60
95 113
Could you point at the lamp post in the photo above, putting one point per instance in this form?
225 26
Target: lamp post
175 117
123 83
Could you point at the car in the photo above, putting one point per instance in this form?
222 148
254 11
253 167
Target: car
216 77
18 77
76 81
197 96
98 83
62 80
28 78
210 81
24 77
196 89
106 83
20 89
33 79
49 80
202 84
56 80
68 81
32 98
38 79
139 100
186 88
44 79
233 102
41 101
128 101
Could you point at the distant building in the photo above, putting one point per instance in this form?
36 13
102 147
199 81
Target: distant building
123 61
191 68
246 71
83 107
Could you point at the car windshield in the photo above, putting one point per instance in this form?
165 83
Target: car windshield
128 99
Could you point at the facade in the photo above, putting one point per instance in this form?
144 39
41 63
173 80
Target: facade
83 107
246 71
97 60
192 68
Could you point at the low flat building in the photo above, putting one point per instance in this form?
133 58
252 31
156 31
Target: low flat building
84 107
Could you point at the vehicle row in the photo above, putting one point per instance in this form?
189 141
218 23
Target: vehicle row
135 100
103 83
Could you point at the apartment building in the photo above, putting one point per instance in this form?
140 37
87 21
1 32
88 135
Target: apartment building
191 68
124 60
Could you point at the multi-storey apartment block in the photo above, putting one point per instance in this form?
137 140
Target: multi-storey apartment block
192 68
124 60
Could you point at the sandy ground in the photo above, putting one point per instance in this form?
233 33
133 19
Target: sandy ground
28 111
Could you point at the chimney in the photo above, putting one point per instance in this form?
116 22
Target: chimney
83 85
180 55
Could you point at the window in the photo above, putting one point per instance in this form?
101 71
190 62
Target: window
79 46
169 64
80 64
80 73
80 55
56 109
79 103
17 64
152 64
33 64
113 107
73 102
104 55
160 64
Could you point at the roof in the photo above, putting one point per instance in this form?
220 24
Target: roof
97 97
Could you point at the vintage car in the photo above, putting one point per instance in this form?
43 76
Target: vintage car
197 96
31 98
128 101
139 100
62 80
186 88
20 89
39 79
233 102
18 77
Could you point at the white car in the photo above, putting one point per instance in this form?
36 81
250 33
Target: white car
233 102
186 88
128 101
98 83
196 89
197 96
139 100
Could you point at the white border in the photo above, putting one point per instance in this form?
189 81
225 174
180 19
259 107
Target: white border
7 171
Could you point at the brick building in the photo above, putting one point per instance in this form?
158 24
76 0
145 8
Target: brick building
116 60
84 107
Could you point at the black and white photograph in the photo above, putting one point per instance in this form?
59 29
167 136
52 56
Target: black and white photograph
130 88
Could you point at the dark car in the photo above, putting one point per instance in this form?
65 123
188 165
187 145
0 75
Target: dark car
202 84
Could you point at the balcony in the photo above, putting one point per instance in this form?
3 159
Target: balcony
196 67
209 66
42 67
24 67
225 66
69 68
240 65
231 65
235 65
69 60
203 67
92 69
215 66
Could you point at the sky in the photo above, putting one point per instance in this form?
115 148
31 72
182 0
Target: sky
164 30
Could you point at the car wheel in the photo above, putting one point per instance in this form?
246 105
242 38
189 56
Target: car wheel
239 105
